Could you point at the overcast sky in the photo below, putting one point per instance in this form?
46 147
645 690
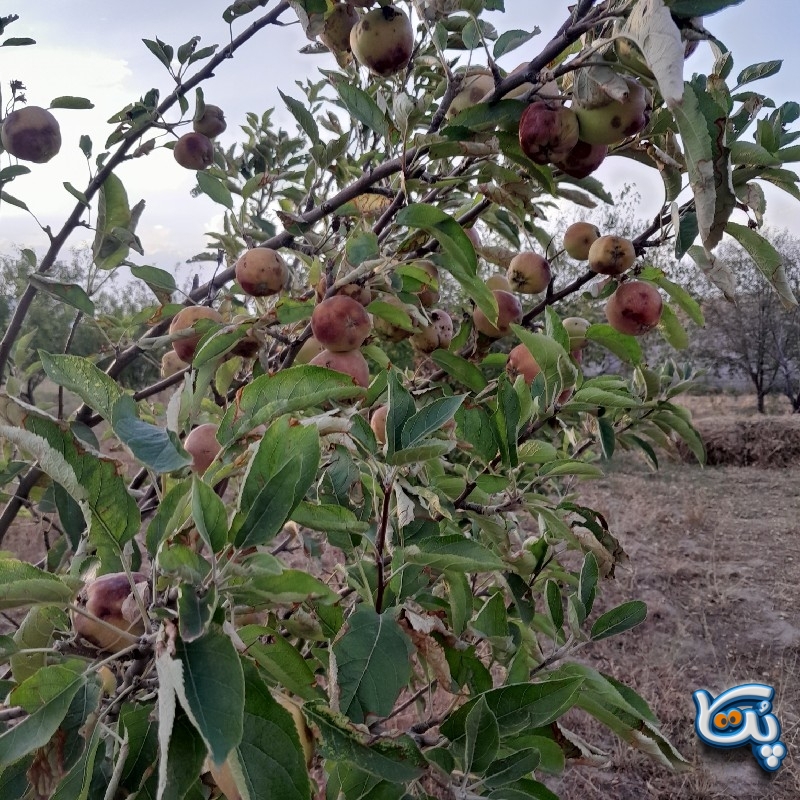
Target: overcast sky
93 48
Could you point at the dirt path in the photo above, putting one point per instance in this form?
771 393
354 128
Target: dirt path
715 553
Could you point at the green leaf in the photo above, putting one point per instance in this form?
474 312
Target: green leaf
460 369
290 390
430 418
280 660
81 376
70 293
509 769
22 584
619 619
397 760
209 515
506 419
454 242
768 260
280 473
481 737
555 606
212 691
160 281
518 707
694 8
327 518
680 297
303 116
71 102
14 171
362 246
373 660
17 41
511 40
362 107
161 51
752 154
113 212
756 72
625 347
215 189
587 584
672 329
452 553
77 783
172 513
291 586
554 362
269 761
56 686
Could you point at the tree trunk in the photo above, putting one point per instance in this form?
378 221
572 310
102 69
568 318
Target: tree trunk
760 402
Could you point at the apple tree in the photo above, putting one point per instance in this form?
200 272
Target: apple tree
313 571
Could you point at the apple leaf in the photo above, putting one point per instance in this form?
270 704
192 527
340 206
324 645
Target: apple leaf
22 584
373 661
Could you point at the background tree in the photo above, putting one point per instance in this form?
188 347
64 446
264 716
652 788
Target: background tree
306 523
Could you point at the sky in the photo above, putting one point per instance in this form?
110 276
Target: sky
93 49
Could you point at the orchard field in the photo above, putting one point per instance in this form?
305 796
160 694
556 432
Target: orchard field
408 493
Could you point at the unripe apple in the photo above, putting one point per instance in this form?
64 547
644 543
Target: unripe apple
547 131
171 363
340 324
509 312
582 160
383 40
211 123
261 272
184 319
104 597
611 255
529 273
435 336
194 151
202 445
578 238
498 282
384 328
521 362
378 423
576 328
32 134
634 308
616 120
474 88
351 363
428 296
339 21
310 348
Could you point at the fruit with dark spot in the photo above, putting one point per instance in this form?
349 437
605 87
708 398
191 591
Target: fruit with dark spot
211 122
185 319
617 119
611 255
578 238
509 312
202 445
474 88
429 295
340 324
547 131
105 598
261 272
582 160
351 363
435 336
359 293
634 308
383 40
529 273
194 151
32 134
576 328
521 362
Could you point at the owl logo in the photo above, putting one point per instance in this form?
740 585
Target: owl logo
741 715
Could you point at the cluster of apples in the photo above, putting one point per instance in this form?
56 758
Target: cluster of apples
635 307
195 150
576 138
